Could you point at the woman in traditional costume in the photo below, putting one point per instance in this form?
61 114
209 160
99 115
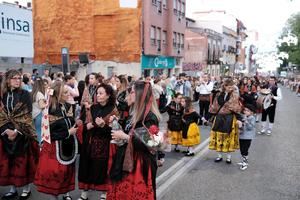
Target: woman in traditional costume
224 133
95 148
136 162
19 150
56 170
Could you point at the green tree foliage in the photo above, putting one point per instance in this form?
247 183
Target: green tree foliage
292 26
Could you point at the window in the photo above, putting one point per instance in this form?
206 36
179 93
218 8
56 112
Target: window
110 71
178 40
175 6
182 41
164 3
174 39
152 35
164 37
178 6
183 9
158 36
159 6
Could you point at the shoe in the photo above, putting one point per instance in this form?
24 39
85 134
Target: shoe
190 154
81 198
176 150
25 195
244 166
262 131
269 133
228 160
185 152
218 159
67 197
9 195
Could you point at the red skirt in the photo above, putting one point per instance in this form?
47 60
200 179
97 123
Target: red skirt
133 186
107 185
51 176
19 171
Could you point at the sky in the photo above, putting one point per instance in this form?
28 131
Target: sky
268 17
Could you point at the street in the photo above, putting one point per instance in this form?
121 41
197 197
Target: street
273 172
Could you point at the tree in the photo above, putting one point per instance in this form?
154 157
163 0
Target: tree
290 40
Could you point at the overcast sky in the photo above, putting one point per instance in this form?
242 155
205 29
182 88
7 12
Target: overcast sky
266 16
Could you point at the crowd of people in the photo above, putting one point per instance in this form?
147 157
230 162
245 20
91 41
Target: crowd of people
46 121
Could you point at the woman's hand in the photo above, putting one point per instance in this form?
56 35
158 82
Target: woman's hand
79 122
119 135
111 118
240 124
11 134
73 131
100 122
89 126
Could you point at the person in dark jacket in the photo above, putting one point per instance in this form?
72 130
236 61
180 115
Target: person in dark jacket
19 151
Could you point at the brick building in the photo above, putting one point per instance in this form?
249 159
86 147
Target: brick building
144 38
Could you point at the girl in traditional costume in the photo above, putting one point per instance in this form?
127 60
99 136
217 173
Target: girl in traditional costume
175 111
19 150
190 128
55 174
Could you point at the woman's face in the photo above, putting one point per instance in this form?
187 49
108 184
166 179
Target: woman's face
15 82
92 80
102 96
183 102
229 88
131 97
245 80
118 83
178 99
65 94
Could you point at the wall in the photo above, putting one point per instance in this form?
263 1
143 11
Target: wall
99 27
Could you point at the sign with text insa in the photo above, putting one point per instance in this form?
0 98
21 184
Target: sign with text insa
157 62
16 32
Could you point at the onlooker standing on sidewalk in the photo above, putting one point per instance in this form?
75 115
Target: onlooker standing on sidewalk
183 86
73 91
270 111
204 88
38 104
247 133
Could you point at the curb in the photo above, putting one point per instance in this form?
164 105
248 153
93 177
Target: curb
168 178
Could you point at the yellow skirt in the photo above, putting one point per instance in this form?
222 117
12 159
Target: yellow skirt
224 142
176 137
193 136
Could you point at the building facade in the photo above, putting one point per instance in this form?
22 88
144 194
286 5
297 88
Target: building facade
163 36
196 52
120 39
228 49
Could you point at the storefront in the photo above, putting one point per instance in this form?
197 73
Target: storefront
157 65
